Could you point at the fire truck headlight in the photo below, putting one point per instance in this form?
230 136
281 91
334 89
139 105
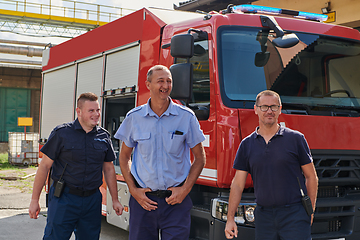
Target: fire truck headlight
243 215
249 214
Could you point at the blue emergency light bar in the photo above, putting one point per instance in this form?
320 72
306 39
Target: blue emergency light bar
262 9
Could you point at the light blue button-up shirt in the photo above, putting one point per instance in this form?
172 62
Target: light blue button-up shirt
161 157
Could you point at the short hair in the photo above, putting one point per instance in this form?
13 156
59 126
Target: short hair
267 93
155 68
88 96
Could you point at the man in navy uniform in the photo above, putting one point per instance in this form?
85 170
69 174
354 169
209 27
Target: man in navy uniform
78 152
279 160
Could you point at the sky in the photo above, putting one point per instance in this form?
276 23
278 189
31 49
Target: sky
126 4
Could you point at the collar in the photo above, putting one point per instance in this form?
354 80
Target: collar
171 110
78 126
280 132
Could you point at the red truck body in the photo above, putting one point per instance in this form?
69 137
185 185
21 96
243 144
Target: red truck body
332 134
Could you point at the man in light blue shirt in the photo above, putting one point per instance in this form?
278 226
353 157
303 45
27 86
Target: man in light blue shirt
161 173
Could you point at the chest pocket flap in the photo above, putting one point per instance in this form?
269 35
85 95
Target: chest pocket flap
73 145
144 142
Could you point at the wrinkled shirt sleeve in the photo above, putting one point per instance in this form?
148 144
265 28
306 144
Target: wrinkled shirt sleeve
195 135
124 133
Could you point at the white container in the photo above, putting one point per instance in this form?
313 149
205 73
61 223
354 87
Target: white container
23 150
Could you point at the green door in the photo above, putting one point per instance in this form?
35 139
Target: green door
14 103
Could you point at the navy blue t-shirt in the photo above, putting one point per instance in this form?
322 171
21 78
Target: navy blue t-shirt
275 167
84 153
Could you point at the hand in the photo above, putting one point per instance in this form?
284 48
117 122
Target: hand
231 230
34 209
118 207
178 195
145 202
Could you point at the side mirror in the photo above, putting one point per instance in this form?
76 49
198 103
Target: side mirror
182 81
182 46
281 40
286 41
261 58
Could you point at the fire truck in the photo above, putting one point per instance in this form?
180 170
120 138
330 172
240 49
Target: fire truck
219 62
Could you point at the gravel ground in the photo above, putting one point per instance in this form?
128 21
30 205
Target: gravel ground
20 179
15 196
16 188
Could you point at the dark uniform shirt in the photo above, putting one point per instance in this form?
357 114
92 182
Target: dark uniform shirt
275 166
83 152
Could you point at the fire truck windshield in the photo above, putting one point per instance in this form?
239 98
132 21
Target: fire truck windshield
319 74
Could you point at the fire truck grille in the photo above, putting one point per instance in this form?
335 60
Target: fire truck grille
337 169
326 226
338 193
331 191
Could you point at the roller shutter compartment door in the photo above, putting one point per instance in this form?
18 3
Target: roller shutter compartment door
90 76
58 100
122 68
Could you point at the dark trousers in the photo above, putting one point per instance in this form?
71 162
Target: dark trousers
71 213
289 222
172 222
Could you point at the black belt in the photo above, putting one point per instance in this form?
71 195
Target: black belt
160 193
78 192
82 193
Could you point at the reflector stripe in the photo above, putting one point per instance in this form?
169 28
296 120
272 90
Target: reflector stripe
209 174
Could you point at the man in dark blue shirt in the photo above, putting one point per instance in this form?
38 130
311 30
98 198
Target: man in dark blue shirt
78 152
276 157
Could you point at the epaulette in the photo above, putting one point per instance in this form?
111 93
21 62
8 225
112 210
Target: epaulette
103 129
64 125
138 108
185 108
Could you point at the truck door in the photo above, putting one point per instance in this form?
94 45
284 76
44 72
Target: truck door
115 110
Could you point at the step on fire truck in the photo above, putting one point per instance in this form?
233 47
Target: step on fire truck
219 62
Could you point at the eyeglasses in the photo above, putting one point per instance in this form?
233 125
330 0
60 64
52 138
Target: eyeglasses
273 108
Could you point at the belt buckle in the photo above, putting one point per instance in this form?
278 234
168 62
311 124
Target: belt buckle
164 193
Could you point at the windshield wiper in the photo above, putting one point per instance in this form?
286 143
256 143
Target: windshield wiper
320 109
295 108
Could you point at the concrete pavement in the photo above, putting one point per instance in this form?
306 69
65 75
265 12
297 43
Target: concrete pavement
15 223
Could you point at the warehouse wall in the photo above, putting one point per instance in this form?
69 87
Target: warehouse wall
26 83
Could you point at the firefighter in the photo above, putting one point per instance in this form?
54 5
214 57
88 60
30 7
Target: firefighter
78 152
280 164
161 174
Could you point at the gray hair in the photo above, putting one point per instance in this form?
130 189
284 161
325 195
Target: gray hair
155 68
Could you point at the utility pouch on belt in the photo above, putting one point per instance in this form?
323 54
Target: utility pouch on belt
59 185
306 201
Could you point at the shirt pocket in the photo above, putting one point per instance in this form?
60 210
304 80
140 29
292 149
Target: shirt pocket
99 150
72 150
175 144
144 142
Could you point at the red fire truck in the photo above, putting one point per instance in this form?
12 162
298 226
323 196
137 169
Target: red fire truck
219 62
